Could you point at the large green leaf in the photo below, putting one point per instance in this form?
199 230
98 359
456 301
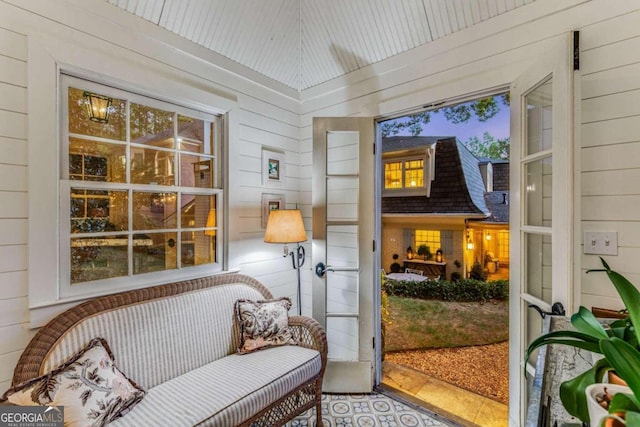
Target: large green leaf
625 359
572 392
623 402
585 322
630 297
570 338
632 418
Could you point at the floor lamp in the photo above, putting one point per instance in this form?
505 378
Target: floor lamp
286 226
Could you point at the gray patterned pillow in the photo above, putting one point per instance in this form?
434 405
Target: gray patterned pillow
263 324
91 388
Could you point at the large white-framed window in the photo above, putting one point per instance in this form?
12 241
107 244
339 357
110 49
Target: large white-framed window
140 195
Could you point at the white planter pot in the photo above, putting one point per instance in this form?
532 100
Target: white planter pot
597 412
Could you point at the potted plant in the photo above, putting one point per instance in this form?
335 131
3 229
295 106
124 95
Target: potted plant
395 265
618 343
425 252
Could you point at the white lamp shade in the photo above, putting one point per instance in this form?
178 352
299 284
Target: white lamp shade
285 226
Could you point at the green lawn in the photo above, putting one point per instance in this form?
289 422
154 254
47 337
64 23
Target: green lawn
419 324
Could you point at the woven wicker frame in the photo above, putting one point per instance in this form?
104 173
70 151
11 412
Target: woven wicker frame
306 331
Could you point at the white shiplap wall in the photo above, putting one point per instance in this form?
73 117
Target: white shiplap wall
263 116
610 149
14 335
492 55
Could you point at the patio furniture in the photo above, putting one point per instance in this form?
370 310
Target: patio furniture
179 342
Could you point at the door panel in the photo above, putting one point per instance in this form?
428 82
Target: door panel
343 227
541 194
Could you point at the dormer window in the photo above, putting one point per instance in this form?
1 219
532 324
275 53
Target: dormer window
404 174
409 172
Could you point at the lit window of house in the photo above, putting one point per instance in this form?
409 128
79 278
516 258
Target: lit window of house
430 238
409 172
393 175
140 188
414 173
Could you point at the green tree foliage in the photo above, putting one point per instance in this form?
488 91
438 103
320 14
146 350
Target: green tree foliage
489 146
411 123
483 109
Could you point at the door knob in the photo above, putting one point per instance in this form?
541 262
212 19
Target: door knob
321 269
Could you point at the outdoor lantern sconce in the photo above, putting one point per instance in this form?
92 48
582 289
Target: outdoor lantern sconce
286 226
488 236
97 106
439 255
469 242
409 253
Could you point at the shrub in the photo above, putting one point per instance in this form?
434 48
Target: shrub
477 272
465 290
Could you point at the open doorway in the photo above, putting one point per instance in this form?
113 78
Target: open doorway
445 258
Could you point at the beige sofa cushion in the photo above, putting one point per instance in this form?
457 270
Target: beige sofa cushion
225 392
178 333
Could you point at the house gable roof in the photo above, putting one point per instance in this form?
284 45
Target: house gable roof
457 189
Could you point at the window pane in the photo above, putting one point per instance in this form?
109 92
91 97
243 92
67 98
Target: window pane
429 238
198 247
196 171
154 252
393 175
80 123
151 126
149 166
136 147
198 211
195 135
414 173
152 211
539 122
538 266
538 197
98 258
96 161
95 211
342 153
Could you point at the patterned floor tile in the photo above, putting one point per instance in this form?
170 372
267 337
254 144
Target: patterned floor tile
365 410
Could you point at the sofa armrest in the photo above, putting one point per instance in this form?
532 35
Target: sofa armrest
308 333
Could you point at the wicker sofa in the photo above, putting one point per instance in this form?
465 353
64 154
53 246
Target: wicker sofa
179 343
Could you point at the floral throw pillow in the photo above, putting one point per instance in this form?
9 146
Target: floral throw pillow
263 324
91 388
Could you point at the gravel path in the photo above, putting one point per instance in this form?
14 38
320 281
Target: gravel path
481 369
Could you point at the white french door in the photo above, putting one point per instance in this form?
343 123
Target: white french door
343 252
541 208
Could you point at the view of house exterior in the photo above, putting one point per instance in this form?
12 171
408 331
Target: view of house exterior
444 197
91 208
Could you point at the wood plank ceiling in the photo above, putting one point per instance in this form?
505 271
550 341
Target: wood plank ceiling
302 43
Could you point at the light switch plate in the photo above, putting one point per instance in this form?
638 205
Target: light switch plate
601 242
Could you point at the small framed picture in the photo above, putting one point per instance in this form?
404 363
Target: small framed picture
271 202
273 163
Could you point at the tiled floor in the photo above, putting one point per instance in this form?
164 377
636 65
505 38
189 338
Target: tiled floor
368 410
459 405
